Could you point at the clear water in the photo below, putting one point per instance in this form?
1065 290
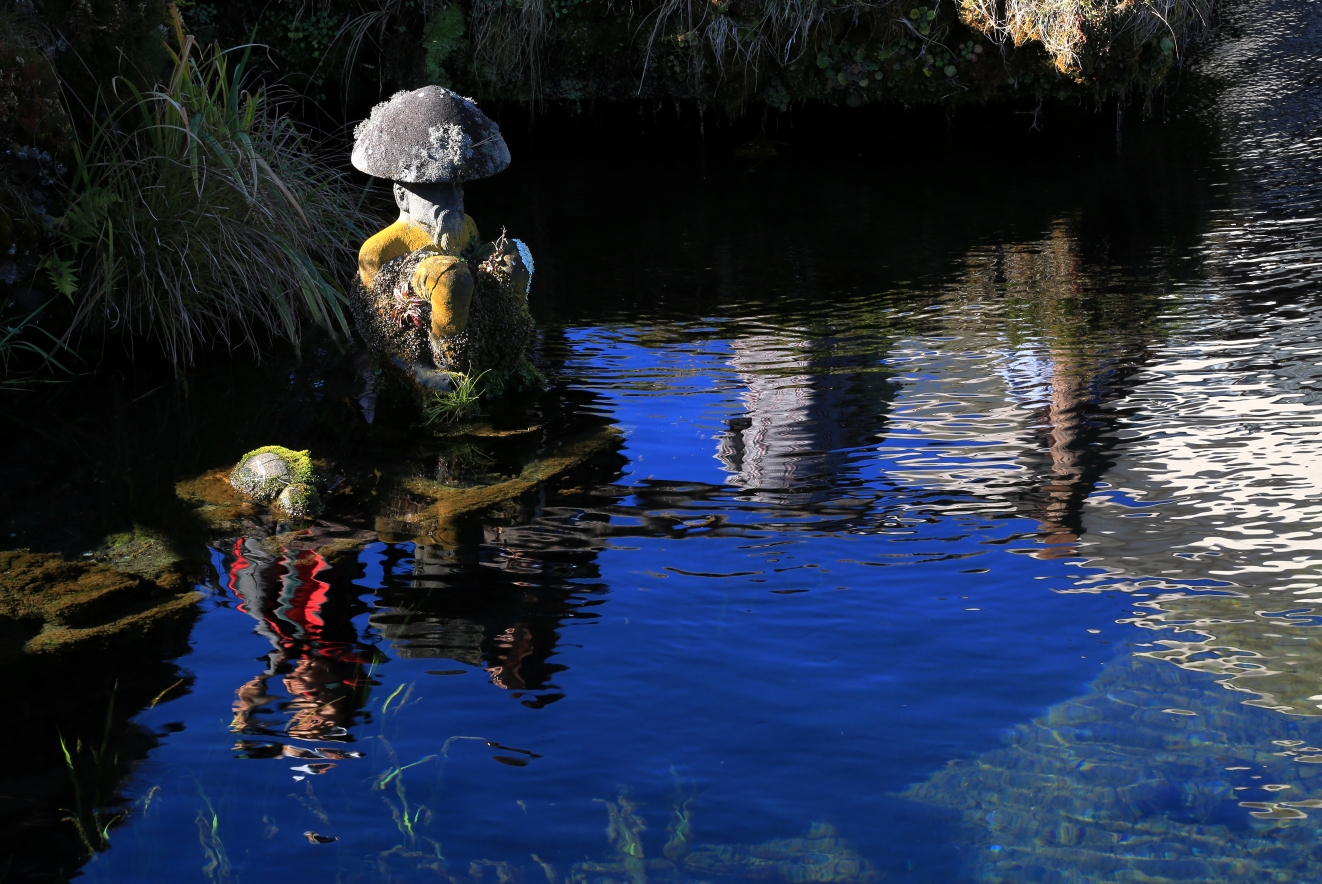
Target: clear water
963 525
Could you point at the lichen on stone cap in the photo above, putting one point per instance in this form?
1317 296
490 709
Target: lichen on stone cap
429 136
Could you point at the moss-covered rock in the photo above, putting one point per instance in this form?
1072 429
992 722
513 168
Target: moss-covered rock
299 500
265 472
49 605
223 503
154 557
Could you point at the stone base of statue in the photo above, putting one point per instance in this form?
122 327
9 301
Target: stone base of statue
395 321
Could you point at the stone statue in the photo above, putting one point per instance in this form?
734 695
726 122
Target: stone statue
431 299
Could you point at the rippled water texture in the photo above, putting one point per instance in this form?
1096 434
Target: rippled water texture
962 523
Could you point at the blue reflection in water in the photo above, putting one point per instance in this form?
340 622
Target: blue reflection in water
766 632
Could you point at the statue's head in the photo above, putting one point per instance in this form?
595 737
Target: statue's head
436 208
429 142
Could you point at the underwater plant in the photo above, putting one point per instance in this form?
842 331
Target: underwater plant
199 214
92 771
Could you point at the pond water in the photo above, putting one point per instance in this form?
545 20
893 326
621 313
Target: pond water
963 523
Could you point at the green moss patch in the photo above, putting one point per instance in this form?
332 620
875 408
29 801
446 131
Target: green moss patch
299 500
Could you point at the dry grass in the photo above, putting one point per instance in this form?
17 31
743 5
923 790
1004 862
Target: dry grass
200 215
1076 33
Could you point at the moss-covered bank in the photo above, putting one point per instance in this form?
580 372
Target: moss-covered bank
91 645
50 606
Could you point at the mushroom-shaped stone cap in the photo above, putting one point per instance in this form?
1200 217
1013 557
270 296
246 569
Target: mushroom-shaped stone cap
429 136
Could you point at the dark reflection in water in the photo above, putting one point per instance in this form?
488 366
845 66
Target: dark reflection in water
506 621
52 804
805 404
1159 773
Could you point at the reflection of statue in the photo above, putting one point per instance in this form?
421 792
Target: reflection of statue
316 644
1071 470
805 407
1070 342
505 620
430 299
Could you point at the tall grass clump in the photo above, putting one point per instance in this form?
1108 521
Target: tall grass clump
199 214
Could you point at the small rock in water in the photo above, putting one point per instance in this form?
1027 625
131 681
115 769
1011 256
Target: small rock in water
282 475
299 500
260 474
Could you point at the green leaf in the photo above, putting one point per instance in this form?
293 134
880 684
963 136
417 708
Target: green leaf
63 276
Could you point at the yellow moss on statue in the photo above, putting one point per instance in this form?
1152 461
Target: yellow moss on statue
403 237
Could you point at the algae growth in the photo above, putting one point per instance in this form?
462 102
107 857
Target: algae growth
50 606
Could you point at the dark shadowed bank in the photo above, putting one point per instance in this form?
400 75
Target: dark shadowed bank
120 121
737 55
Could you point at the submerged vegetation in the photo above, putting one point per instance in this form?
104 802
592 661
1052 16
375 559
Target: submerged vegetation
52 606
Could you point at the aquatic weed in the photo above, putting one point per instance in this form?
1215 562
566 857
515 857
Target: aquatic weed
406 819
93 771
461 403
217 867
624 832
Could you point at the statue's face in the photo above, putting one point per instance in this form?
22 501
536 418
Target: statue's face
439 208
